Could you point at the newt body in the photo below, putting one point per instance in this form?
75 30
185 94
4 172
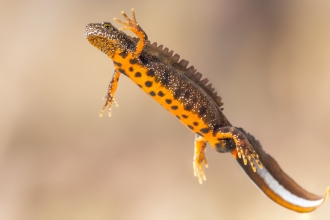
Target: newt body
182 92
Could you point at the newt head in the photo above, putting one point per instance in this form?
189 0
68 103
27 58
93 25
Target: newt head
104 36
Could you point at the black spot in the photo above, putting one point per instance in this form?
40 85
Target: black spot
177 116
191 127
139 85
131 69
202 111
148 84
184 116
117 79
177 93
151 73
123 54
122 71
161 94
187 94
205 130
117 64
137 74
195 123
174 107
168 101
152 93
133 61
165 79
188 107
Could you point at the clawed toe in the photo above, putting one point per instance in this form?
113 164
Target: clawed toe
130 23
108 103
199 163
247 153
199 169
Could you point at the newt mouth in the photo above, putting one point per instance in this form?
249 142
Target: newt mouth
100 43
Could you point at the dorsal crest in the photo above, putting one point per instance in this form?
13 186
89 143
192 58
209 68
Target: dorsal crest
182 66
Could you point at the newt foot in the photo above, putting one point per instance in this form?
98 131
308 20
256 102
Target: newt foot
198 166
108 102
247 153
131 24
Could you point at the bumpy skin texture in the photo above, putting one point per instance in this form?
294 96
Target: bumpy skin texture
181 91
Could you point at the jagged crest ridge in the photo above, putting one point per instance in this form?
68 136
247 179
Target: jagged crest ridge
182 66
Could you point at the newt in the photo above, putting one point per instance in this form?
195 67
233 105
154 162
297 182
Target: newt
182 91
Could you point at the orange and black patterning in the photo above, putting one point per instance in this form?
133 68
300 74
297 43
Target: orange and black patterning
183 93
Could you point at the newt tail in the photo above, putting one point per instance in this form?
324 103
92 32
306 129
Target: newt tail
277 185
184 93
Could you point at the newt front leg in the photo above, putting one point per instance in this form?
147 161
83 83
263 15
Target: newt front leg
199 158
109 98
132 25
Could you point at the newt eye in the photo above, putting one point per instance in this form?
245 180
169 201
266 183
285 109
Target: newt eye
107 26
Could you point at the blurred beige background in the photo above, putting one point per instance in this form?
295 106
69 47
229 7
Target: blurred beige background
269 60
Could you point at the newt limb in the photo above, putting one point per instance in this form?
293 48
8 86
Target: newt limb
109 98
243 147
199 158
132 25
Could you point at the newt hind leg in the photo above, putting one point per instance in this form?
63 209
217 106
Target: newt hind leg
243 147
199 158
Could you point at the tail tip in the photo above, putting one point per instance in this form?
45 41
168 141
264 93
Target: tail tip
327 192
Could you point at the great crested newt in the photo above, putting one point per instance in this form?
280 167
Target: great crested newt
183 92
